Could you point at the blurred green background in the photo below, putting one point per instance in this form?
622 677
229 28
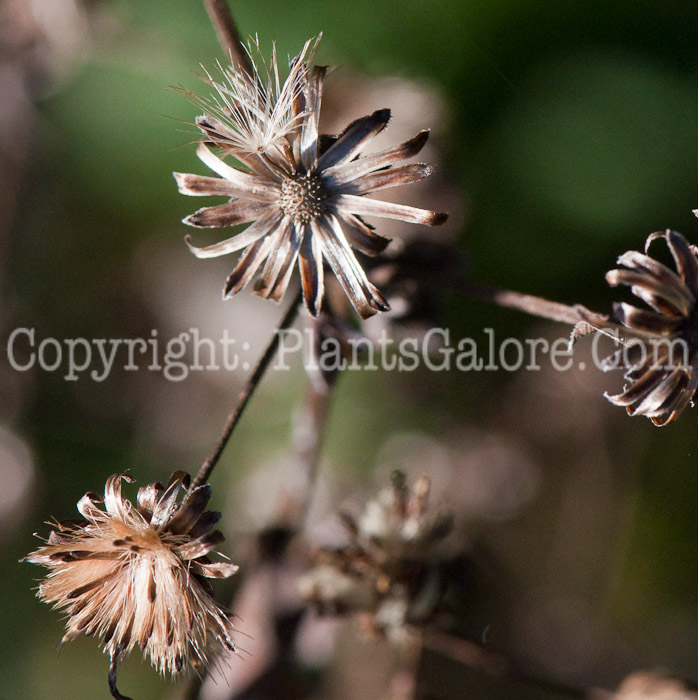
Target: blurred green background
569 131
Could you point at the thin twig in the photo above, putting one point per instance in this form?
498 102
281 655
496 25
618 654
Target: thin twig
245 394
535 306
306 443
308 434
497 665
113 669
227 32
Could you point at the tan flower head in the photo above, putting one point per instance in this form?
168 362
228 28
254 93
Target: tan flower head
303 191
660 343
138 575
392 571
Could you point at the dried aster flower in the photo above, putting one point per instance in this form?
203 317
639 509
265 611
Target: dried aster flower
391 572
660 343
303 191
138 575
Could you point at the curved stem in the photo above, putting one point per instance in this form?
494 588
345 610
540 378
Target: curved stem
113 669
535 306
245 394
227 32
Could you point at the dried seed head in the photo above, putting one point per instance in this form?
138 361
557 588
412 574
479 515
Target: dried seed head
302 197
392 571
139 575
659 350
303 192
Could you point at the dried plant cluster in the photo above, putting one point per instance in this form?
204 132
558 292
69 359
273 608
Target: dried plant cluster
392 571
138 576
305 192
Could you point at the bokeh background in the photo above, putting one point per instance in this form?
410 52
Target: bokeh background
564 133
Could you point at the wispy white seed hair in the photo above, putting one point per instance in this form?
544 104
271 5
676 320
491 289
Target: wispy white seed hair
254 112
138 575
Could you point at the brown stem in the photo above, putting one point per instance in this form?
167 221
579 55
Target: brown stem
245 394
227 32
499 666
535 306
404 679
308 435
111 679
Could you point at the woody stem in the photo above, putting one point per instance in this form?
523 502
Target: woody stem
227 32
535 306
245 394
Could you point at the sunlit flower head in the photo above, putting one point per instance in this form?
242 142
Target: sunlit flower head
303 191
139 575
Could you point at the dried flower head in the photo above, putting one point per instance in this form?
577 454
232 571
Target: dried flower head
642 685
660 343
392 569
303 191
138 575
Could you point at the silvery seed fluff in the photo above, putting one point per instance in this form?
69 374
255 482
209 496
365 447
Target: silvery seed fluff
661 342
138 575
303 191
